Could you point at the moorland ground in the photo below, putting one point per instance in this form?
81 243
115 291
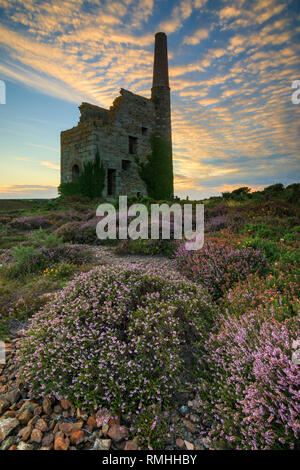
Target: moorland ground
217 368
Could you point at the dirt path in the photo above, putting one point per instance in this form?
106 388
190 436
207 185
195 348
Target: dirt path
105 255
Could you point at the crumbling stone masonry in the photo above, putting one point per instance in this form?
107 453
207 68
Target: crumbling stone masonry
122 133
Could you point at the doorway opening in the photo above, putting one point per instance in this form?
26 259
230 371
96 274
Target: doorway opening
111 182
75 172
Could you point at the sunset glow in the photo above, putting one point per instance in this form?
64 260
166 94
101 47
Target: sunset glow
231 65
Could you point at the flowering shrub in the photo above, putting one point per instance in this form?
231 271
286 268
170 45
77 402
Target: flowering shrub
30 223
119 338
217 211
87 232
60 271
217 266
79 232
216 223
277 295
28 260
235 222
68 231
249 398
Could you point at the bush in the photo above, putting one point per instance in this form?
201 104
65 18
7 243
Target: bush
122 338
30 260
78 232
47 240
277 295
147 247
157 172
217 223
68 231
30 223
271 249
90 182
293 234
248 397
218 266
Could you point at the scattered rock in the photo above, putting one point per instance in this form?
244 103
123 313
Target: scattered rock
189 445
66 404
194 418
48 440
7 426
36 436
80 414
66 428
24 446
131 445
102 444
118 433
91 424
183 410
47 406
114 420
61 444
38 411
25 433
77 436
180 443
7 443
12 397
25 416
41 425
189 425
105 429
10 414
102 417
4 405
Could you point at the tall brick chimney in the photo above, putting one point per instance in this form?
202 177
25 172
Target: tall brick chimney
160 92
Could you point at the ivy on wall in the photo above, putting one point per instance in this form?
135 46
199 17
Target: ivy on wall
157 172
90 182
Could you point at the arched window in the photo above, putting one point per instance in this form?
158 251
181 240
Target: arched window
75 172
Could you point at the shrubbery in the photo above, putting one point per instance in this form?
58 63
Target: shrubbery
147 247
157 172
125 339
30 223
30 260
218 266
90 182
249 398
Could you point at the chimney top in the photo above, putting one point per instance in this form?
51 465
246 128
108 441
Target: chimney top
160 68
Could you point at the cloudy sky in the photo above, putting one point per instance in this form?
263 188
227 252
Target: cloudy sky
232 64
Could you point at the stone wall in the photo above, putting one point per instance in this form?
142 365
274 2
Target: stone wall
109 130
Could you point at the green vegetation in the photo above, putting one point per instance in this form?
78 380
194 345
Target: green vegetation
157 173
90 182
227 332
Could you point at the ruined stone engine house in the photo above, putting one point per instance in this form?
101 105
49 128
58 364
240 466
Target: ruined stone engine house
121 134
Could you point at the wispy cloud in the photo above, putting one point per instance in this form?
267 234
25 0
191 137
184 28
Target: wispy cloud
233 120
51 165
196 37
27 190
45 147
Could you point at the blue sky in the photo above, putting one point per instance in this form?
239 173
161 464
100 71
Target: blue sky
231 63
